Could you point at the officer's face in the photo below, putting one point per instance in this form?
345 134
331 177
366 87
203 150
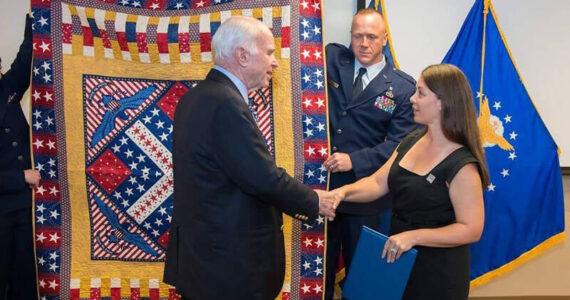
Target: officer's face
368 37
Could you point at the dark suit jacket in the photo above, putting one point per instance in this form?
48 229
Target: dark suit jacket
226 239
366 128
14 131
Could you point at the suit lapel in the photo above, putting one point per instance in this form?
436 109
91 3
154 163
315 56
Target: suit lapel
376 87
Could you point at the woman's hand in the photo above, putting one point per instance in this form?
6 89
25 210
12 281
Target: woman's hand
398 244
339 196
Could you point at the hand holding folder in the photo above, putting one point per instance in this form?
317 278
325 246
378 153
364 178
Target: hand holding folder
370 276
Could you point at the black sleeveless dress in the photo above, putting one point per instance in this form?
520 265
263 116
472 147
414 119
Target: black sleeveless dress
422 201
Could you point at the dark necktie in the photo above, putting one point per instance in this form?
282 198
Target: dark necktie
252 107
358 85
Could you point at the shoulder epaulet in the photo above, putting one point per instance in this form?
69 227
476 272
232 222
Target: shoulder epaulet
405 76
339 53
335 47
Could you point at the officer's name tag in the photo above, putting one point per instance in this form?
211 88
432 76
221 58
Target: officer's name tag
386 104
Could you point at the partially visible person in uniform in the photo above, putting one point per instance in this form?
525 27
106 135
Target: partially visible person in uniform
17 179
436 177
226 238
369 113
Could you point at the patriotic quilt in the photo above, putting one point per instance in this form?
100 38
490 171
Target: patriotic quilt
107 76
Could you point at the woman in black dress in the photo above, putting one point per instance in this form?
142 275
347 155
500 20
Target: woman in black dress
436 177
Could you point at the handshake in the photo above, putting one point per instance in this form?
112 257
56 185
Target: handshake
328 202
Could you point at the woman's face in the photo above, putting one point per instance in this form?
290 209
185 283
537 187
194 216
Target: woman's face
425 104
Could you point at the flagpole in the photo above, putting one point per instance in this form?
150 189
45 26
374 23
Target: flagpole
485 13
390 44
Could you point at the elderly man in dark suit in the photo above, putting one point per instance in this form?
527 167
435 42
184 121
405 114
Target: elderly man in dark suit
369 113
226 239
17 179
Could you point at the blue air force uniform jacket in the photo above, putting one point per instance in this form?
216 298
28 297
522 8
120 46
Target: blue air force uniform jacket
14 131
370 127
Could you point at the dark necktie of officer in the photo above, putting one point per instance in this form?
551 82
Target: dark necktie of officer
358 85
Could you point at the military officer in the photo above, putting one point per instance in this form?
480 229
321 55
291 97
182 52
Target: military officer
370 113
17 179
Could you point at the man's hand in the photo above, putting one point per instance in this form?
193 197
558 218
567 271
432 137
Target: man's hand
327 204
32 177
338 162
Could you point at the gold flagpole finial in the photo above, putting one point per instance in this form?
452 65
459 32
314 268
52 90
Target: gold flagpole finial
486 6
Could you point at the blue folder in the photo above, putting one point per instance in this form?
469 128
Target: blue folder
370 276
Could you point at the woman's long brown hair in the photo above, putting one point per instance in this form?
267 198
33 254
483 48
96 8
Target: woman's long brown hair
458 116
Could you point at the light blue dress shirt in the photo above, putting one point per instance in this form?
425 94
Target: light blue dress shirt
371 71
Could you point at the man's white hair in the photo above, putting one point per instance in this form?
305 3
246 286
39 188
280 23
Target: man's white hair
235 32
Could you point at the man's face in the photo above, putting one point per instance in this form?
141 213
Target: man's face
368 37
261 65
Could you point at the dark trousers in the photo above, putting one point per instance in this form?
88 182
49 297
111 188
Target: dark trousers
342 235
17 259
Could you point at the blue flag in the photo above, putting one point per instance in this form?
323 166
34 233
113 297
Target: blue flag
387 50
524 202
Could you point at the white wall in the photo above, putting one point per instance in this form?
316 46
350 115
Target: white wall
12 24
422 32
537 33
